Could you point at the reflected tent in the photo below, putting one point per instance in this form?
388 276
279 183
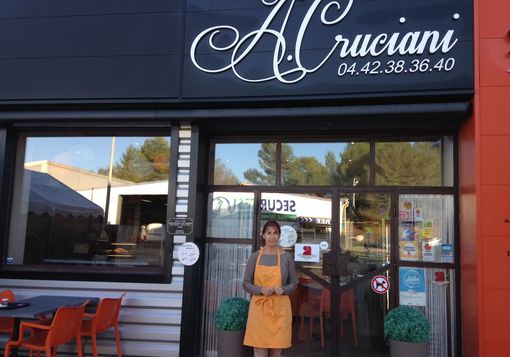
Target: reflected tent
61 223
49 195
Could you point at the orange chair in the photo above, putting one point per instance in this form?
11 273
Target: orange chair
64 327
106 316
7 323
347 306
307 306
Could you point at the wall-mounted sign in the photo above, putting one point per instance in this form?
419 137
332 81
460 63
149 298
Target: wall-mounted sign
188 253
412 287
269 47
179 225
304 252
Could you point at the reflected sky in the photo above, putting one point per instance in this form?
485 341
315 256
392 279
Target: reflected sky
87 153
241 157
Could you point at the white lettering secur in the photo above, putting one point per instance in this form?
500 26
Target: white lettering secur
332 13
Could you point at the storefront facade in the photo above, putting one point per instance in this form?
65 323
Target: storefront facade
353 124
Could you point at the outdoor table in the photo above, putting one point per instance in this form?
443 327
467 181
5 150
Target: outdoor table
40 306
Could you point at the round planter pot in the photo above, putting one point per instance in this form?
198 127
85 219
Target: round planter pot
230 344
406 349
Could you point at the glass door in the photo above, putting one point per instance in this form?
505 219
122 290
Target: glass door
306 233
365 275
340 242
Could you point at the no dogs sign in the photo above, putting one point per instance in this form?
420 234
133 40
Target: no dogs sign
380 284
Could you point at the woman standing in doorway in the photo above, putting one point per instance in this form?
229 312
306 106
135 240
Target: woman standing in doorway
270 277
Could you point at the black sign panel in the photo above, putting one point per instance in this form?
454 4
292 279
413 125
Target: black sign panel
179 225
313 47
220 50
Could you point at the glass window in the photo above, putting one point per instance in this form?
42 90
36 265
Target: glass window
230 215
345 164
223 278
245 164
426 226
90 201
365 227
432 291
305 221
420 163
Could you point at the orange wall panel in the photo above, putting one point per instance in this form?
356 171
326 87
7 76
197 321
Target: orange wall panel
494 18
495 209
496 261
497 326
498 349
495 62
495 166
496 115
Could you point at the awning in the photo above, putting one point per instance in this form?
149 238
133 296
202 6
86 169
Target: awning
49 195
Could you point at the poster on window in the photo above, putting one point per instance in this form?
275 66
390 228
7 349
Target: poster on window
409 251
304 252
412 287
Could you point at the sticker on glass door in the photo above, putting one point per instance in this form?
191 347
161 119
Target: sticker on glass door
306 252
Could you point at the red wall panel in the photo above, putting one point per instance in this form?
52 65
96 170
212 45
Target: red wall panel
492 111
495 261
495 166
494 18
495 61
496 117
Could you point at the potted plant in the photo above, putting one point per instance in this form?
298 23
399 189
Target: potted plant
408 331
231 320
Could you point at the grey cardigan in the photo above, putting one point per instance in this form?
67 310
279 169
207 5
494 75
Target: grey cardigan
288 270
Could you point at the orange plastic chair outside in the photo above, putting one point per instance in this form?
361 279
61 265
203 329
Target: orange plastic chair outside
7 323
106 316
347 306
64 327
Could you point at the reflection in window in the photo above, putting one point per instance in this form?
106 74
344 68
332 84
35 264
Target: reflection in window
230 215
345 164
364 232
409 163
90 201
245 164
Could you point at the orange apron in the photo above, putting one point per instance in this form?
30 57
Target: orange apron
269 318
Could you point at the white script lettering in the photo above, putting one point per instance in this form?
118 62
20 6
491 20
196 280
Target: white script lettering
240 48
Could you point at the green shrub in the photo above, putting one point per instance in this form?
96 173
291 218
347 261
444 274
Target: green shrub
407 325
232 314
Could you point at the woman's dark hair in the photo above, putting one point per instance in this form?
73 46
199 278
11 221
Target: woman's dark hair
273 224
268 224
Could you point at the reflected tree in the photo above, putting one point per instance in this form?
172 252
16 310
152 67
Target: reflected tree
223 175
408 163
150 162
397 163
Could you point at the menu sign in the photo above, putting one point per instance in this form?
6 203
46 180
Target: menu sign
390 44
